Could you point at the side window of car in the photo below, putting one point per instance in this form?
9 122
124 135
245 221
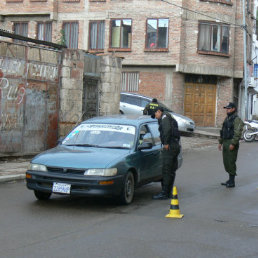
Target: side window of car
145 135
144 102
154 128
122 97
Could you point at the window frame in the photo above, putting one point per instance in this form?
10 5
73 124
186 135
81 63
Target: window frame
45 23
89 43
156 49
211 52
63 27
110 36
19 22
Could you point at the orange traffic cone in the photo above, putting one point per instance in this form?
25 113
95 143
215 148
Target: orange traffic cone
174 211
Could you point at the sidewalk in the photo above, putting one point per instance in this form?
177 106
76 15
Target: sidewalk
15 169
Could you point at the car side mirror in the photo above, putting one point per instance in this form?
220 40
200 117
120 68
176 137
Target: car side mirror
145 146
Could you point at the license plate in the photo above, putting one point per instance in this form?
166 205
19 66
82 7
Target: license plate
61 188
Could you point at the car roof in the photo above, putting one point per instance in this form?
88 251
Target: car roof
136 95
121 119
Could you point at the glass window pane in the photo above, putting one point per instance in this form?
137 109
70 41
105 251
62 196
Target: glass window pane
67 34
48 32
163 33
126 34
93 35
115 33
225 39
151 33
101 35
204 37
40 31
215 38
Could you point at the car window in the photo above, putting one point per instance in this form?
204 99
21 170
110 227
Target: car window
145 135
102 135
144 102
154 128
122 97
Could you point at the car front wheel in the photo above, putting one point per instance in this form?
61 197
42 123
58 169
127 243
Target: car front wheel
128 189
42 195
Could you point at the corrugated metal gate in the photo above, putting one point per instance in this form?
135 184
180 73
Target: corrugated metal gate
29 79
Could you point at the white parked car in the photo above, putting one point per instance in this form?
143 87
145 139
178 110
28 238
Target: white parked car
132 103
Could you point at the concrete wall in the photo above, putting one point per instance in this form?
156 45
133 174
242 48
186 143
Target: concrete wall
29 81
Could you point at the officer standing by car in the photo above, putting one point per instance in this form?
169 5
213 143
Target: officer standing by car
170 137
229 142
150 108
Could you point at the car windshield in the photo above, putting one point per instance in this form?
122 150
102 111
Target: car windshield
102 136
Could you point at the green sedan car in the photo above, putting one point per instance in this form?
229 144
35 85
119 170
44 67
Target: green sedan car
103 156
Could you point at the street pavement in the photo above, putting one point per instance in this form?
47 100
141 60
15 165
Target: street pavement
14 169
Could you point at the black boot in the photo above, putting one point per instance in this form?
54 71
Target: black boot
231 182
163 195
226 182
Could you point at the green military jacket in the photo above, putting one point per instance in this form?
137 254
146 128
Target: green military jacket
238 128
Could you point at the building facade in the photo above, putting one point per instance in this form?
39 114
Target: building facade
186 53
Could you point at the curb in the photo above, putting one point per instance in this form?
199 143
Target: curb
4 179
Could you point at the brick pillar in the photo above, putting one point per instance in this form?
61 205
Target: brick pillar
178 92
224 95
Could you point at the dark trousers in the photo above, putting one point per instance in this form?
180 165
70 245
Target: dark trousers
169 166
229 157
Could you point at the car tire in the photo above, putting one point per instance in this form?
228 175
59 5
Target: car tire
42 196
127 194
121 112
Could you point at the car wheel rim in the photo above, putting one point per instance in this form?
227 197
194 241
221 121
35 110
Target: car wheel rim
129 189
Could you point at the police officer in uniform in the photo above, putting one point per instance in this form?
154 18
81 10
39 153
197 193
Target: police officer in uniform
170 137
229 142
149 109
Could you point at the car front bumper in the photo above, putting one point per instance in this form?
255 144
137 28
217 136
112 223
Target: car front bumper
80 185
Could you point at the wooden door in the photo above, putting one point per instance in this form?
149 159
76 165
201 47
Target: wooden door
200 103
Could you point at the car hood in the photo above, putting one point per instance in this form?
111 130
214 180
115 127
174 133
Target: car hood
80 157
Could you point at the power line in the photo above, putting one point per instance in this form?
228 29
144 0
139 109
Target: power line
200 13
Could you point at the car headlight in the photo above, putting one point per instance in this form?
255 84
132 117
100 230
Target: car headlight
101 172
37 167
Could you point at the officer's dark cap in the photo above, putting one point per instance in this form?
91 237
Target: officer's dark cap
230 105
157 109
154 100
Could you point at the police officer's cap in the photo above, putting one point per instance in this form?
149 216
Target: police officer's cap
157 109
230 105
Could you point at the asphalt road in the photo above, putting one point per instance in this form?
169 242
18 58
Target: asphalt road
218 222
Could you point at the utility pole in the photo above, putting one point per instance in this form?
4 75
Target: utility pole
245 68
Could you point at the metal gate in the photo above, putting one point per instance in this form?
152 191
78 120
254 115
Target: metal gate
28 99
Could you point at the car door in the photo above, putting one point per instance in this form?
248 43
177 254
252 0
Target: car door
149 159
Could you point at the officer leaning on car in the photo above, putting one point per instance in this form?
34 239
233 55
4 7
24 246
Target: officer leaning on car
229 142
149 109
170 137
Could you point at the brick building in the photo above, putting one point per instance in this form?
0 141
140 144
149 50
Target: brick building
187 53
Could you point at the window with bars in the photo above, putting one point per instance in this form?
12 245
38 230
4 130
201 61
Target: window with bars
121 33
130 81
97 35
20 28
213 37
44 31
157 34
71 31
